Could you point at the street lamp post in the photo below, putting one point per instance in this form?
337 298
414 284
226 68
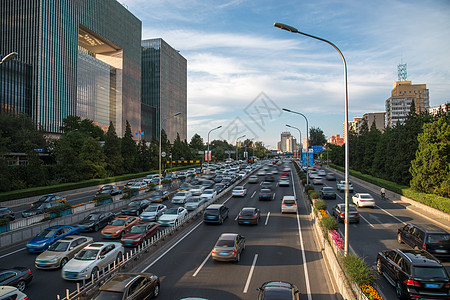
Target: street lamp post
295 30
307 141
237 155
208 144
8 57
298 132
160 131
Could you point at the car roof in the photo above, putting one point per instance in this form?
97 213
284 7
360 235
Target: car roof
228 236
430 228
119 282
420 257
99 245
213 206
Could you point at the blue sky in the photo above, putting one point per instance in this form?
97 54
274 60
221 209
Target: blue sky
242 70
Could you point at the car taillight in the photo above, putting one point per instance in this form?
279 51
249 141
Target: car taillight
424 246
29 272
447 285
234 251
254 217
213 252
357 214
260 195
411 282
342 215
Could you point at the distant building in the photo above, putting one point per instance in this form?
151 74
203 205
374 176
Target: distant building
402 95
369 118
164 90
336 140
435 109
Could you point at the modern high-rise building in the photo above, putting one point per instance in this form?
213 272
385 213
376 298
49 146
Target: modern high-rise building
164 90
288 142
84 59
399 104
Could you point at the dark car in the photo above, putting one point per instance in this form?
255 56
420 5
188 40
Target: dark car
48 236
330 176
414 274
215 213
136 207
95 221
339 213
219 187
40 208
207 183
427 237
218 178
129 286
249 215
6 213
266 194
278 290
266 185
327 192
269 177
109 190
139 233
49 198
19 277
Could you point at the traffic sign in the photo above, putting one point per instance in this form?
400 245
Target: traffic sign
163 154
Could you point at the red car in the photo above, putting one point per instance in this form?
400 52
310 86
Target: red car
139 233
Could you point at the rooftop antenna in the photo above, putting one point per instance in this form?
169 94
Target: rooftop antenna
402 74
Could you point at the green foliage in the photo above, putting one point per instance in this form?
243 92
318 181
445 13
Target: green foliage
93 159
316 137
128 193
57 209
128 150
357 270
329 223
4 221
313 195
111 149
101 197
308 188
320 204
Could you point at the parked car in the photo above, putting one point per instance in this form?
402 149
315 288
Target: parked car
130 286
109 190
139 233
363 200
181 197
61 251
159 196
215 213
288 204
427 237
136 207
330 176
193 203
48 236
153 212
208 194
340 185
339 213
18 277
327 192
49 198
266 194
172 216
239 191
228 247
414 274
96 220
6 213
40 208
91 260
11 293
253 179
277 290
117 227
249 215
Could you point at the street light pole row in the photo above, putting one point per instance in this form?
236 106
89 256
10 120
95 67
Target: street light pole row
160 133
208 145
298 132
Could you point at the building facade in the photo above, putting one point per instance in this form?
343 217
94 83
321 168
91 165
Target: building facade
288 143
164 90
403 94
84 58
441 108
336 140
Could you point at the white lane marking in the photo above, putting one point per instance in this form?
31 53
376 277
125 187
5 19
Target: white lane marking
253 194
250 274
267 218
201 266
5 255
366 220
390 214
274 195
226 200
236 217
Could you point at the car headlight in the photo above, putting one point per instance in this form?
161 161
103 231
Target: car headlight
118 231
53 259
84 270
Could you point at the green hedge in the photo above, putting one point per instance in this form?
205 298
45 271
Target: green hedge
58 209
357 270
320 204
102 197
4 221
329 223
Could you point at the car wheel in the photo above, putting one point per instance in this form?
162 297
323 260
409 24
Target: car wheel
399 238
64 262
156 291
399 290
238 257
379 267
96 228
21 285
94 273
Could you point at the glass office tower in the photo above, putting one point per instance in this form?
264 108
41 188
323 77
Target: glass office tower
85 59
164 90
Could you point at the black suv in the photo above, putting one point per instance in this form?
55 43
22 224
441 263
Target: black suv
215 213
414 273
427 237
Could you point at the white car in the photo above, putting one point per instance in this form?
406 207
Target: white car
239 191
153 212
322 173
193 203
283 182
197 190
172 216
148 179
288 205
363 200
11 292
139 185
341 186
91 259
181 197
208 194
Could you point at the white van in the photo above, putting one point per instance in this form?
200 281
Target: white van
289 204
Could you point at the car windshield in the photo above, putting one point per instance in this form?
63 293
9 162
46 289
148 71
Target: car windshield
327 189
238 188
138 229
265 191
214 212
92 217
247 212
133 203
87 254
46 234
117 222
45 198
193 200
429 272
171 211
151 209
107 187
290 202
365 196
439 238
208 192
59 246
157 194
180 194
225 243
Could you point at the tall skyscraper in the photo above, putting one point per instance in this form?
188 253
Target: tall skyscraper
84 58
288 142
402 95
164 90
